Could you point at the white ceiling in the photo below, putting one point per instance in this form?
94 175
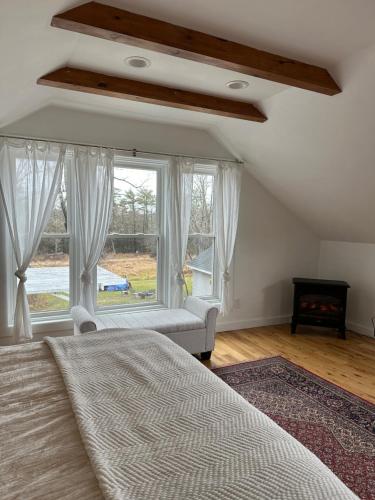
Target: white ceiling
30 47
315 153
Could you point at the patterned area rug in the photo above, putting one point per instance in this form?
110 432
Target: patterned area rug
333 423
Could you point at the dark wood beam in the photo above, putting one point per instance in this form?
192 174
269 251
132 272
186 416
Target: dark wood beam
110 23
113 86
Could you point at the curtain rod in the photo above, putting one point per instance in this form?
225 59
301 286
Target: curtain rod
134 151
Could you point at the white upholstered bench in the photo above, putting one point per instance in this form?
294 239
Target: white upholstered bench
192 327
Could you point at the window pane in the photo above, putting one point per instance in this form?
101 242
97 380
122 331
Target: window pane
134 204
201 208
47 283
199 266
127 271
58 222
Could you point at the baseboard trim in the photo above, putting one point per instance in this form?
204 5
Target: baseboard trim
361 329
222 326
227 326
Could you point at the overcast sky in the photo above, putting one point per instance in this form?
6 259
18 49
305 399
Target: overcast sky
137 177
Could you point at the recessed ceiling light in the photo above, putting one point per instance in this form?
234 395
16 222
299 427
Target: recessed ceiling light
138 62
237 84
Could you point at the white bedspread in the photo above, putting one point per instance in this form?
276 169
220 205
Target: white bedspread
158 425
41 453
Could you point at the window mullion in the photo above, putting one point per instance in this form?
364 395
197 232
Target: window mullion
120 261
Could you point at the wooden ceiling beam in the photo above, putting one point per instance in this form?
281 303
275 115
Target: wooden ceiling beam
110 23
96 83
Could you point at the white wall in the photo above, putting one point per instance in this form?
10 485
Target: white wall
55 122
272 247
272 244
354 263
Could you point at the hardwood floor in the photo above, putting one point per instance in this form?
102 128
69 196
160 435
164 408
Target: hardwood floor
348 363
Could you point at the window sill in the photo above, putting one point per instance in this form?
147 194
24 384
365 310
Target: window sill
63 321
52 324
130 309
215 301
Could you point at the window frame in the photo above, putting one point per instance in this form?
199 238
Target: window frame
144 162
158 166
210 169
50 316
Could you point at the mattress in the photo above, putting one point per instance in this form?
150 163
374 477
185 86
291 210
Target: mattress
41 452
183 433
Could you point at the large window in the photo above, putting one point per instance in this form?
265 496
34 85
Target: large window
200 256
128 270
48 286
133 270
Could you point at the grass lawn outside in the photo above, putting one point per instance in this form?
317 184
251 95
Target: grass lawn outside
44 302
140 270
105 299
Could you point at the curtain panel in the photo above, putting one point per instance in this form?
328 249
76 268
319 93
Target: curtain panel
30 177
180 190
227 200
93 184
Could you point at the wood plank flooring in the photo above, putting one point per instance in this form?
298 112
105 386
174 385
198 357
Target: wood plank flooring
348 363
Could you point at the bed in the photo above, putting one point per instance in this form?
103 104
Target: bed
156 424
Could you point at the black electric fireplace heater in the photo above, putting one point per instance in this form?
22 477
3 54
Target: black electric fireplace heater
320 303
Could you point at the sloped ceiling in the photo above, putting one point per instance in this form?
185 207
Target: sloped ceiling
315 153
318 155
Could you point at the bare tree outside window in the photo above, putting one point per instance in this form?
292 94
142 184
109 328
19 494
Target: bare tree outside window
127 270
200 249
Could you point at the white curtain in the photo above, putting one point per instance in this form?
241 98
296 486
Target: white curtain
93 175
180 194
30 177
227 198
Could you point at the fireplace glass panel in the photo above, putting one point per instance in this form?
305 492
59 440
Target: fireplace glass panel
320 306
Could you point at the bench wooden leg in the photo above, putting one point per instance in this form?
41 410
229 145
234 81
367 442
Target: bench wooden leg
205 356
